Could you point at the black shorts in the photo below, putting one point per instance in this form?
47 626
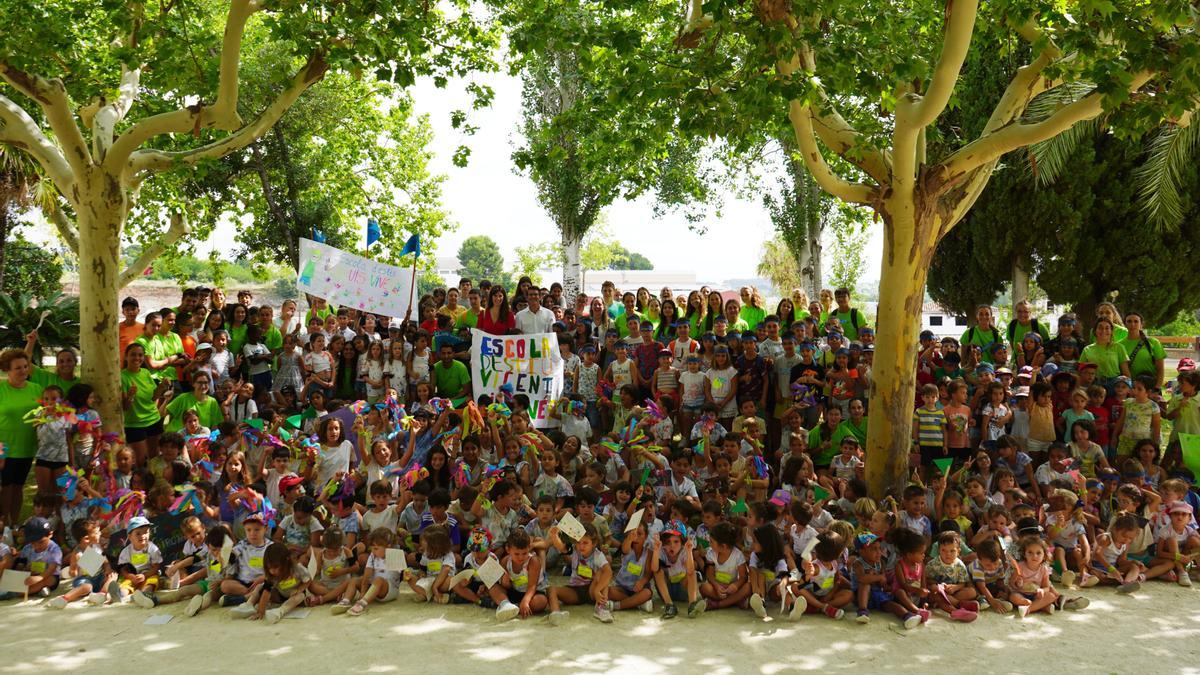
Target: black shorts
516 597
15 471
47 464
960 454
930 453
138 434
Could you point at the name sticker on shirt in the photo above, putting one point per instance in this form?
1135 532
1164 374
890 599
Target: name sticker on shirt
521 580
140 558
634 568
676 578
584 571
256 562
724 577
288 584
434 566
37 567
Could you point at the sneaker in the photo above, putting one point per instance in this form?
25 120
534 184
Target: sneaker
697 608
611 606
970 606
145 600
924 614
647 606
1171 576
507 611
194 605
603 614
1022 611
911 621
242 611
487 603
756 604
982 605
114 591
1089 580
964 615
97 599
798 608
230 600
671 611
272 615
832 612
1185 581
57 603
863 616
1052 607
1068 578
1076 604
1130 587
341 607
559 617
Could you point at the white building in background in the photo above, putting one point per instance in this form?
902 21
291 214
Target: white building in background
941 321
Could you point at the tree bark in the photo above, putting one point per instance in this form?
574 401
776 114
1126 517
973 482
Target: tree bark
5 215
101 218
572 267
1020 284
907 253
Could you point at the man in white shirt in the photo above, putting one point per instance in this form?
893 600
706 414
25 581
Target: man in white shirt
534 318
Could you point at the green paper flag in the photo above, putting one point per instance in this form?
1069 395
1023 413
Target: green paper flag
309 413
295 421
645 475
1190 445
739 507
943 465
820 493
284 435
255 423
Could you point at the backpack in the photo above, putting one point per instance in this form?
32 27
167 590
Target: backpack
971 335
1034 327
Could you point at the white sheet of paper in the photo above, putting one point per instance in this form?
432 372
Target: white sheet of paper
490 572
570 526
806 554
300 613
158 620
13 581
313 563
226 551
635 520
395 560
90 562
461 577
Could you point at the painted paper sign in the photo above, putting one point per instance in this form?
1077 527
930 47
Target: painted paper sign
529 364
345 279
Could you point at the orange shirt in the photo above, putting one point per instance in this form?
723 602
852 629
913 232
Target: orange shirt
129 334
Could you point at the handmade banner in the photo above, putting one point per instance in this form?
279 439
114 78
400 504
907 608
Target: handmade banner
530 364
345 279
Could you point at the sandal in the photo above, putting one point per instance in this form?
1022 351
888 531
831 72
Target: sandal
358 609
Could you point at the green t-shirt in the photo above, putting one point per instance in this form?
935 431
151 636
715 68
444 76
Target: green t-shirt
273 339
1142 363
468 319
848 428
1108 359
623 323
449 382
156 349
1016 332
237 339
18 436
981 338
209 411
752 315
47 377
846 319
142 412
814 441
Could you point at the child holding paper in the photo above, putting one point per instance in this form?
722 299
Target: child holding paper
285 581
138 567
40 556
437 560
590 576
214 569
524 581
631 583
379 582
87 565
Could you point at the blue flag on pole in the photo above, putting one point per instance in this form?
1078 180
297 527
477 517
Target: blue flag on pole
318 236
413 245
373 232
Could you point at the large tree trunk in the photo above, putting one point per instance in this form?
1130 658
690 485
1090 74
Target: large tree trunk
893 378
5 215
572 268
1020 284
101 218
810 274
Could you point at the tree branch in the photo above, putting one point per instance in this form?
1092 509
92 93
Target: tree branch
222 114
991 145
158 160
51 95
19 130
801 117
179 227
955 45
1026 84
105 121
66 229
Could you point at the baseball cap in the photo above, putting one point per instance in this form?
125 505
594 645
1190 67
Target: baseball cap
664 352
1121 379
1180 507
1025 371
1022 392
289 481
1049 369
137 522
676 527
864 540
257 516
1084 365
1003 371
202 346
780 498
395 324
37 529
1186 364
927 335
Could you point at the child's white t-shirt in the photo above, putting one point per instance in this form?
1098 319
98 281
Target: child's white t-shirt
845 468
386 519
141 561
726 572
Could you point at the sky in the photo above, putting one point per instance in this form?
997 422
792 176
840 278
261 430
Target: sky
487 197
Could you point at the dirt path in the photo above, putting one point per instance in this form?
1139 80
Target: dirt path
1155 630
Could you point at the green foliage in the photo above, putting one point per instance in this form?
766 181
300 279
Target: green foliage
629 260
21 313
480 258
187 268
535 257
428 280
285 287
30 269
778 265
1184 323
849 234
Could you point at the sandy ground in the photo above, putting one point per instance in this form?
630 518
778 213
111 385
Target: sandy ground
1155 630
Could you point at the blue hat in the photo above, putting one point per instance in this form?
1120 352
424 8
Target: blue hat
37 529
808 345
927 335
842 352
749 337
985 368
137 522
864 540
720 319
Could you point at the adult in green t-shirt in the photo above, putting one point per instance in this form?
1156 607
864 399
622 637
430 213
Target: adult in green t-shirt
18 395
451 379
850 318
1110 356
983 334
207 407
272 337
237 329
1023 323
752 311
155 356
1146 354
628 311
140 392
733 317
470 318
855 425
63 376
1107 310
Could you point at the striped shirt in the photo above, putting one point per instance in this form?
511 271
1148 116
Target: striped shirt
931 425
